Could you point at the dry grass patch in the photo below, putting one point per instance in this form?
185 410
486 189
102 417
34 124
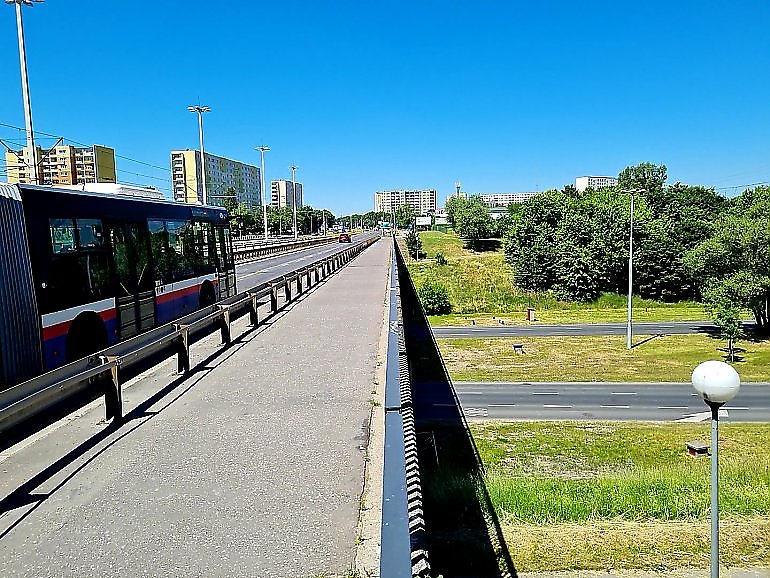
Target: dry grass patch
659 546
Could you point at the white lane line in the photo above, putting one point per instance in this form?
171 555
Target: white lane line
549 406
617 406
501 404
623 393
731 408
470 393
545 393
673 407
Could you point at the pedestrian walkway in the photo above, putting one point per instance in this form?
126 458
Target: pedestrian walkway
251 466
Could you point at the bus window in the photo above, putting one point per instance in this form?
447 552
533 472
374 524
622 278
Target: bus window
186 261
80 268
159 242
205 247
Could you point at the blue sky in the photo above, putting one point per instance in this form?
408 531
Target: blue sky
365 96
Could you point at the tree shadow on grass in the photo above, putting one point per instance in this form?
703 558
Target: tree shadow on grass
464 537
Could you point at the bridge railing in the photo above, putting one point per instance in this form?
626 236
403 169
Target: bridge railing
402 550
101 369
253 250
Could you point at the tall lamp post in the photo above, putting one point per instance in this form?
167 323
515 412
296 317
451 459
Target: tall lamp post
294 196
25 87
200 110
629 328
717 383
262 149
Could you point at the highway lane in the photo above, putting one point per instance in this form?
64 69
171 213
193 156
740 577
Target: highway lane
605 401
255 273
641 328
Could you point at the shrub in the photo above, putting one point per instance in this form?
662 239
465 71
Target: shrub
440 259
434 298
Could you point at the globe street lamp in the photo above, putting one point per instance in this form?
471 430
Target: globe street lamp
200 110
25 87
262 149
717 383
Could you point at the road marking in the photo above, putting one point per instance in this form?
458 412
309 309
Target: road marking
617 406
623 393
476 412
545 393
470 393
557 406
501 404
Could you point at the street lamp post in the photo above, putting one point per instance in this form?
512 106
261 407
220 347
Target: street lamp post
25 87
262 149
717 383
200 110
629 328
294 196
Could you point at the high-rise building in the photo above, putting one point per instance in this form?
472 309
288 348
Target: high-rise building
505 199
63 165
225 179
283 192
421 201
583 183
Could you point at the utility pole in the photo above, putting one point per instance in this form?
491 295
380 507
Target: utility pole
629 328
25 88
294 196
262 149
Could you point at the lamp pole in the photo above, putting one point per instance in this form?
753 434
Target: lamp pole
262 149
294 196
717 383
629 328
25 87
200 110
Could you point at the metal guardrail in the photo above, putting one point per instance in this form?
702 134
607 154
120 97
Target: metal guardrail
402 550
253 251
101 369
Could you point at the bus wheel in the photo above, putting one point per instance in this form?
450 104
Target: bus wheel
87 335
208 295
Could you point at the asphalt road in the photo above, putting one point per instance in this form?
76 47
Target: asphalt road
605 401
250 275
641 328
252 465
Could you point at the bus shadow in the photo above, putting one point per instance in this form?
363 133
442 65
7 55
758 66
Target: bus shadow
464 536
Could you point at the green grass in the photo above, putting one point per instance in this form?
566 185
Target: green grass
595 358
599 495
481 286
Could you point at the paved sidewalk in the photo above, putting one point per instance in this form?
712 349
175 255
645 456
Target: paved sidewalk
252 466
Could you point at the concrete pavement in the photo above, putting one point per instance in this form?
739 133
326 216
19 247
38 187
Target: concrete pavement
251 466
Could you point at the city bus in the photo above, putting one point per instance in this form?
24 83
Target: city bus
80 271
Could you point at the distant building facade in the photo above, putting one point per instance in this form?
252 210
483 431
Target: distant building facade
225 179
63 165
505 199
583 183
283 192
422 201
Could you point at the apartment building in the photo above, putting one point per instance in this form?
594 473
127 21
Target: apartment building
421 201
63 165
225 179
583 183
283 192
505 199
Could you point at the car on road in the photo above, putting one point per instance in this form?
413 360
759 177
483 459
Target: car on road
344 238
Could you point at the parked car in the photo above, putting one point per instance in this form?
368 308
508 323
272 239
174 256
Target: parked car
344 238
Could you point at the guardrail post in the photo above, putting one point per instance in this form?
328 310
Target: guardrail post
287 291
254 309
183 349
113 393
299 284
274 298
225 324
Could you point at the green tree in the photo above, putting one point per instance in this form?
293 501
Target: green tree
473 221
453 204
413 243
434 298
404 216
647 176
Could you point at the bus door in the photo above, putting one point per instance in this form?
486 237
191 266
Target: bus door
136 284
225 264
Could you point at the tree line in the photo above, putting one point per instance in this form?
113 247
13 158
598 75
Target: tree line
690 242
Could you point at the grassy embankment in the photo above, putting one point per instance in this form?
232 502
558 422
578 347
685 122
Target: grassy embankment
481 287
600 358
595 496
